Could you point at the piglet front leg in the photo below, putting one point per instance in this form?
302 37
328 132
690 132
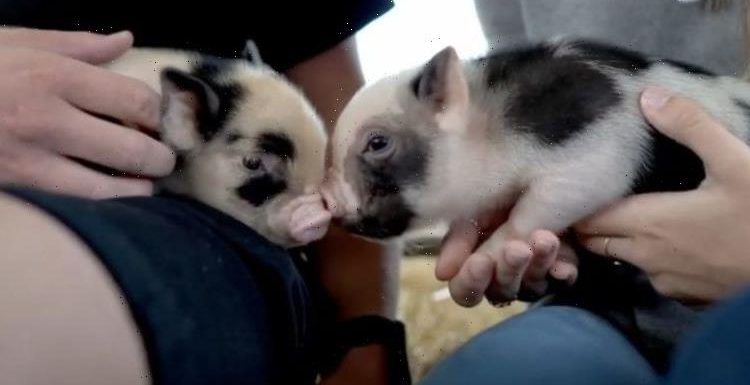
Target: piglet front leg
546 206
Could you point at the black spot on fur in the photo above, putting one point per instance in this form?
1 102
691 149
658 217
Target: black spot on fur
209 70
501 65
233 137
689 68
179 162
671 167
744 107
610 56
393 220
277 144
556 98
386 212
261 189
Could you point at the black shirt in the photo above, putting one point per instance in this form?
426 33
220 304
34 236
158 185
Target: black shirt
286 32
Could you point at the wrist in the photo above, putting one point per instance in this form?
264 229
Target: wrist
362 365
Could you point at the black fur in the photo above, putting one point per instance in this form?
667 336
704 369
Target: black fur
670 167
689 68
179 162
395 222
501 65
559 92
744 107
208 70
387 213
277 144
610 56
233 137
553 96
259 190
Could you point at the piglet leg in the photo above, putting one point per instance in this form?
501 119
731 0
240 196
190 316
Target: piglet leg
546 206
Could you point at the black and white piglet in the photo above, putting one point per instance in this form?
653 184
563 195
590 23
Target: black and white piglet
553 131
247 142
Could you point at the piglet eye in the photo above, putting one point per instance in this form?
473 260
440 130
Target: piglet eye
252 164
378 143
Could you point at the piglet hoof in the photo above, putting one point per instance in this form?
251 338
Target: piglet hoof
309 221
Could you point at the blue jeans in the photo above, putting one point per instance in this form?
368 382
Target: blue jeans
564 345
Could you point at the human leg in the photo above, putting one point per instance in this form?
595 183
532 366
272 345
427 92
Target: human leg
718 349
548 345
63 319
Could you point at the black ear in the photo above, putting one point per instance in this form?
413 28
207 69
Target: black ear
188 103
252 53
441 81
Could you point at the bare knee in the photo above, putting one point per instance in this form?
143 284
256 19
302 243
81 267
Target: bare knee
63 319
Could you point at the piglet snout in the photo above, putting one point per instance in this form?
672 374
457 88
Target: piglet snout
329 199
309 220
328 192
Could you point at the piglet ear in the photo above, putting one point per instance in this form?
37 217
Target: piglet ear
441 83
187 105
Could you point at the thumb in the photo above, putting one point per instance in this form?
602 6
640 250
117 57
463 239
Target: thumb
84 46
685 121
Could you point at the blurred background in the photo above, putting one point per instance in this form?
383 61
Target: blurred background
415 30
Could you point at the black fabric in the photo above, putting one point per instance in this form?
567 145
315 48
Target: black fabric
367 330
214 301
286 32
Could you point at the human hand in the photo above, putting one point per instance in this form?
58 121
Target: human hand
473 276
51 106
694 244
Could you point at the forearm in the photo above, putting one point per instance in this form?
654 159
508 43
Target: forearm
330 79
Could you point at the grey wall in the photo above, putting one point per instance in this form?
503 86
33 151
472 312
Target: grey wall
666 28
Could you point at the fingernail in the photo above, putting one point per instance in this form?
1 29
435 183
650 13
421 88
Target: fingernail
546 246
655 98
120 34
518 256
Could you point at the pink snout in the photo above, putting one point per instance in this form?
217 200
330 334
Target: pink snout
338 195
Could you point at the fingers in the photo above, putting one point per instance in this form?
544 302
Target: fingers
51 172
620 219
564 271
510 270
129 100
458 244
88 47
468 286
545 246
87 137
685 121
565 267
